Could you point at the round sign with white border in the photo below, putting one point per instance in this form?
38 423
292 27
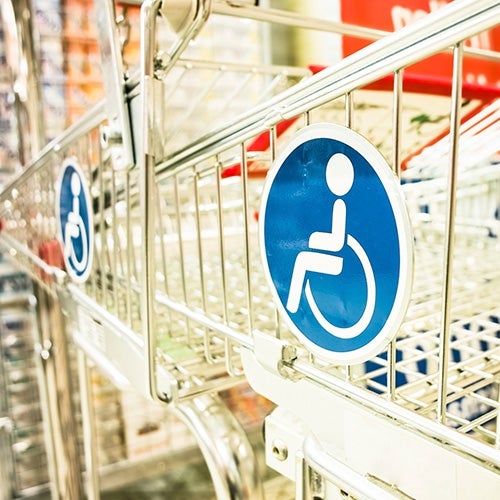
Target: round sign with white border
74 219
336 243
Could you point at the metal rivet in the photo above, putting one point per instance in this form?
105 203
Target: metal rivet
280 450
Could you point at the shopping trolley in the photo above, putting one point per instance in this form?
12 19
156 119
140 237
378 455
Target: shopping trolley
97 276
176 300
427 402
346 429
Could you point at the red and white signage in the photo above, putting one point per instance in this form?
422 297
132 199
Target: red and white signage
392 15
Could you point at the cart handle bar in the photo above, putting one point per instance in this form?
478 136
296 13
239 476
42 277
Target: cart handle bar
439 30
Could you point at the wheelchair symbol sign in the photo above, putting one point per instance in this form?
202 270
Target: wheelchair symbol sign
74 217
336 243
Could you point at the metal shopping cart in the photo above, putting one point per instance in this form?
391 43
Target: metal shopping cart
419 405
106 320
180 299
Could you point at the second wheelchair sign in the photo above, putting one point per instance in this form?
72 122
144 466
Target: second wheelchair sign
336 243
74 217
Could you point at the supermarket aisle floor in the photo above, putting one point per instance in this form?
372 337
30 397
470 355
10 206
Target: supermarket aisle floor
192 482
186 481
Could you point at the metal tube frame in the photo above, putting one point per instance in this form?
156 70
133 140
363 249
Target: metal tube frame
89 429
119 132
444 345
59 409
225 448
147 165
6 428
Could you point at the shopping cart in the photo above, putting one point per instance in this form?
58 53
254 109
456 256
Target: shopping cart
429 370
93 160
176 301
430 400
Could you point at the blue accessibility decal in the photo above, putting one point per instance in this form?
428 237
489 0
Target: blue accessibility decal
74 215
336 243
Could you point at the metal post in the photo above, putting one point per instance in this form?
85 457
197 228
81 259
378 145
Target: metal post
6 487
444 344
6 456
22 60
89 431
53 364
57 405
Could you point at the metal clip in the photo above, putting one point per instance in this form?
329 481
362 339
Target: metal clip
276 355
285 364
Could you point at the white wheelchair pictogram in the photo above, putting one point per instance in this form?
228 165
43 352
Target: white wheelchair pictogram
322 256
75 229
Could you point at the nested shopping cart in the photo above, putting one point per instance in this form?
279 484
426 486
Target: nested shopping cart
97 159
179 301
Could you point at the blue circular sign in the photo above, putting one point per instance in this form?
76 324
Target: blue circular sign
74 216
336 243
